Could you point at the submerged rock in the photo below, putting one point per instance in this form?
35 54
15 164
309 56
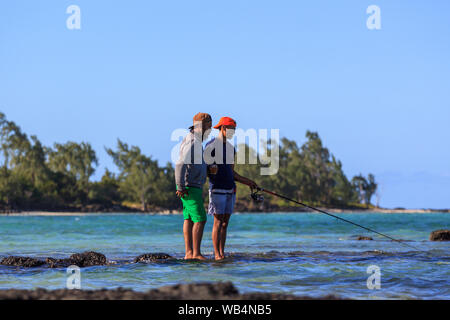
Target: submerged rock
22 262
364 238
152 257
87 259
440 235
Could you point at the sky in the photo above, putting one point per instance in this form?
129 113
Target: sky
138 70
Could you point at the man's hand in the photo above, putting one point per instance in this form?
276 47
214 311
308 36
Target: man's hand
182 193
252 184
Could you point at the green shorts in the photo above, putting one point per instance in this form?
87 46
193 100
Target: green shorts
193 207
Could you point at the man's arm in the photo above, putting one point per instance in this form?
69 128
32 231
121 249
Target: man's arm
180 172
180 169
237 177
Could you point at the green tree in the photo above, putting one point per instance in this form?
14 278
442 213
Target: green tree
365 188
166 188
316 160
10 188
77 160
343 192
106 191
139 174
14 144
371 188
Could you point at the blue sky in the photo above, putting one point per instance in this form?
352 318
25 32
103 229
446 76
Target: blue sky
137 70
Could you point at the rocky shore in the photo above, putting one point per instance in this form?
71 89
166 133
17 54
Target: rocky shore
193 291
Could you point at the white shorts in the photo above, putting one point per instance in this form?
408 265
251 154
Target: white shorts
221 203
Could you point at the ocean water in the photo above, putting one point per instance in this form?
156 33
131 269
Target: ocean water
300 253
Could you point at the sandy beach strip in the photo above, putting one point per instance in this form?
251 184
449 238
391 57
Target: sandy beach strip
79 213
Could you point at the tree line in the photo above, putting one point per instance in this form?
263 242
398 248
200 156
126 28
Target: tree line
38 177
311 174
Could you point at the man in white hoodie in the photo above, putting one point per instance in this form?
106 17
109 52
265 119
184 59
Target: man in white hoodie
190 176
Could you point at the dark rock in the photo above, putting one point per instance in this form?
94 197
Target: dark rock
87 259
440 235
363 238
58 263
192 291
197 291
152 257
22 262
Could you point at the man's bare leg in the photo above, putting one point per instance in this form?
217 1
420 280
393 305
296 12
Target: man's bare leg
197 234
223 234
187 232
216 232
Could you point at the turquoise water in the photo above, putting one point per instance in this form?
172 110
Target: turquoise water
300 253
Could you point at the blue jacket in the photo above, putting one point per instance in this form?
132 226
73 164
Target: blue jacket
223 155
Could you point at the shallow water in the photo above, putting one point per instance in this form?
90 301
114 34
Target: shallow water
300 253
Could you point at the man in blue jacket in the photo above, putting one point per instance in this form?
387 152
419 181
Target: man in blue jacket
222 187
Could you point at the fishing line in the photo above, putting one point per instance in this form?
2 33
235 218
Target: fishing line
332 215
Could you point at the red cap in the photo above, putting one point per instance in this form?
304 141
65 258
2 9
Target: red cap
225 121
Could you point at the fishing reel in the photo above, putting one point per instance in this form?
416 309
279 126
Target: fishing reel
257 197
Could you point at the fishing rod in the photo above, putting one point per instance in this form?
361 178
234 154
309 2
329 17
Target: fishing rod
255 196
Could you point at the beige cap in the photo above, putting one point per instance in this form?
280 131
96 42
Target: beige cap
203 117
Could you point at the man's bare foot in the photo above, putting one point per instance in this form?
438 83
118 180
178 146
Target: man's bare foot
221 255
199 257
218 257
188 256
